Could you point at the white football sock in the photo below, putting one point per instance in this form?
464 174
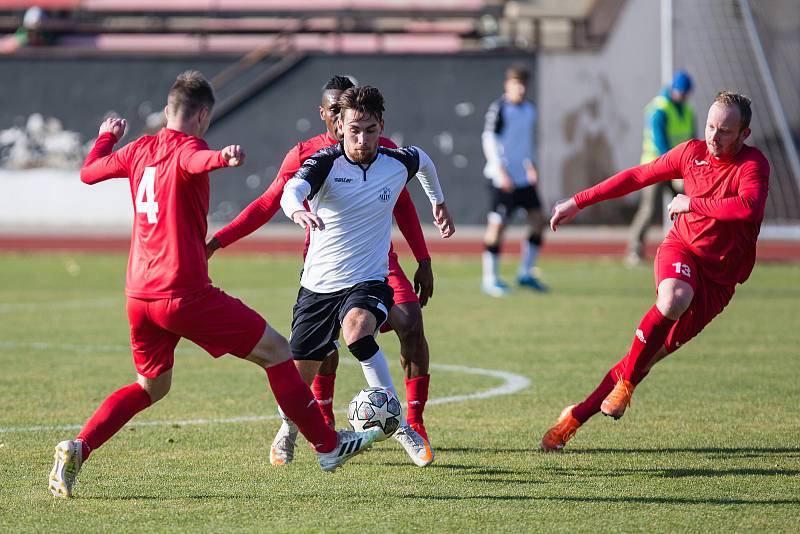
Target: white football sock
490 261
529 254
376 371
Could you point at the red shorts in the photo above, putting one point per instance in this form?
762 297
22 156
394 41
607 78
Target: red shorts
399 282
215 321
673 260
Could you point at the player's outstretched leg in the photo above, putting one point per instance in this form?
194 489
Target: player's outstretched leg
117 409
298 403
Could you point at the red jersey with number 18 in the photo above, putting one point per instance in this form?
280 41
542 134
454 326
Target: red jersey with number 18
168 175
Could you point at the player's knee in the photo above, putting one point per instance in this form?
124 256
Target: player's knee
158 387
270 350
357 324
673 304
364 348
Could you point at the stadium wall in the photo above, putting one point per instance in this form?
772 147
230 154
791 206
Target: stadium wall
591 109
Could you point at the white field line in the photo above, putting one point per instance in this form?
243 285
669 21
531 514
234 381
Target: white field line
512 383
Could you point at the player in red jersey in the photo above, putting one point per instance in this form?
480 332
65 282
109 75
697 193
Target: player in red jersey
710 249
405 316
169 293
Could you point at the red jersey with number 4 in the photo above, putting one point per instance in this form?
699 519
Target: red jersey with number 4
726 207
168 175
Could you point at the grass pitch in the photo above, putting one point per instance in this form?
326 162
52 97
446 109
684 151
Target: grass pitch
711 442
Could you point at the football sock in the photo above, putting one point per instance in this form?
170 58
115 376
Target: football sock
650 337
583 411
322 387
530 252
490 260
111 416
298 403
376 371
416 397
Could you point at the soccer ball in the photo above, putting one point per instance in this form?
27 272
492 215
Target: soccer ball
375 407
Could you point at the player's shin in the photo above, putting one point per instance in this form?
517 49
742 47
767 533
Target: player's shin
111 416
373 364
417 396
322 388
650 336
296 400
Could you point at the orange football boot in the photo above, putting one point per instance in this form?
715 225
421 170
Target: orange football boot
617 401
561 432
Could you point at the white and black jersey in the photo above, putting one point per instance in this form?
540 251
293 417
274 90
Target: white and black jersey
355 202
508 140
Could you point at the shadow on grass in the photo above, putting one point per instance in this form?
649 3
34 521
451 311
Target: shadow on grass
672 473
741 452
745 452
619 500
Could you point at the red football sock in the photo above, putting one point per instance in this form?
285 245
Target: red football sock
322 387
116 410
583 411
298 403
416 397
649 338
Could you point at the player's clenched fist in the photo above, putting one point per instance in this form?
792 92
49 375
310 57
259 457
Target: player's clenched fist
233 155
115 126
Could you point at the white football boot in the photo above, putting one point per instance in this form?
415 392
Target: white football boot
68 461
282 450
417 447
349 443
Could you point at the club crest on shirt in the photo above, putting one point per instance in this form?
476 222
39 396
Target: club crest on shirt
385 194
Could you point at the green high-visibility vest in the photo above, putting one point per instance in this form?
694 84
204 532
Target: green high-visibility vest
679 127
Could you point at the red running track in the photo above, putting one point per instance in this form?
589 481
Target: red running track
777 250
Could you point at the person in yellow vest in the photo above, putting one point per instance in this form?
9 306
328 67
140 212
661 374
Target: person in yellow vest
669 121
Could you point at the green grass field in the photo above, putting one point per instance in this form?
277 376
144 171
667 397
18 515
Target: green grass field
711 442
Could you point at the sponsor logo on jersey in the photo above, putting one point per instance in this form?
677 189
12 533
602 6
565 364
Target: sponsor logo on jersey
700 162
343 180
385 194
640 336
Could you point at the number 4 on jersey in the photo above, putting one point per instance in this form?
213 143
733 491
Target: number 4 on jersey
147 188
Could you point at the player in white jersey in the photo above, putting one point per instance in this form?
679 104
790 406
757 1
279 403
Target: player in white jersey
508 145
352 188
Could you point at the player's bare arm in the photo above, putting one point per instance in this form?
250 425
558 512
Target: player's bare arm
563 212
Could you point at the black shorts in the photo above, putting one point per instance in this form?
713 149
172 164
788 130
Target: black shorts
505 204
317 317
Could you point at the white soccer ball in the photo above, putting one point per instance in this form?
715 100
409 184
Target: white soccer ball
375 408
